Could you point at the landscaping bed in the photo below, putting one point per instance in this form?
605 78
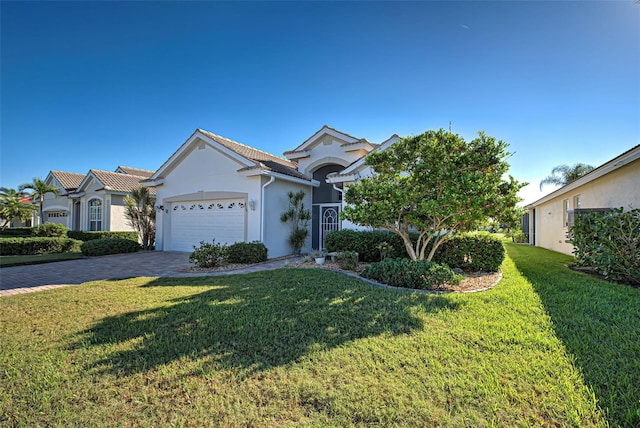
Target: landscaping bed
473 281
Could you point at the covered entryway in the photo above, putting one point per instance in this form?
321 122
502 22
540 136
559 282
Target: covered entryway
193 221
325 213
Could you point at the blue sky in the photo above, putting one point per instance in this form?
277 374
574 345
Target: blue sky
101 84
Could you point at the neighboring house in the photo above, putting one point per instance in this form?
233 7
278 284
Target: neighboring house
134 171
92 201
614 184
59 209
216 188
30 222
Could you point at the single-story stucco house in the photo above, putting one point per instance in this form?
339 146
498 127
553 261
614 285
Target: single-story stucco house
614 184
92 201
216 188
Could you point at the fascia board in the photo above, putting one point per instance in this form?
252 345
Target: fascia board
605 169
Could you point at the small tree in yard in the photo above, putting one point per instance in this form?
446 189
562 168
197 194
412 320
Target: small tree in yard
11 206
297 217
141 215
435 184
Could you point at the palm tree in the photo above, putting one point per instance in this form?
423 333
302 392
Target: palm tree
40 188
562 175
141 214
12 207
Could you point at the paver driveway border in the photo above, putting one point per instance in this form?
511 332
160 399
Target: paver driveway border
27 279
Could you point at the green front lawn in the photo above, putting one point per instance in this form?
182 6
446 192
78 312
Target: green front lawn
6 261
301 347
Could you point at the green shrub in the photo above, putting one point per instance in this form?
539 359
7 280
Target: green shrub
209 255
51 230
17 232
368 244
88 236
32 246
105 246
609 242
247 252
478 253
347 260
419 274
518 236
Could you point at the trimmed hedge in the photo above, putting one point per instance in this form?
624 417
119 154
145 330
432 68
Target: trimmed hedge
50 230
468 252
366 243
16 231
406 273
31 246
478 253
105 246
246 252
89 236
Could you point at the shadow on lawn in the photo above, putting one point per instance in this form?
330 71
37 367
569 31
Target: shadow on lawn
599 324
255 321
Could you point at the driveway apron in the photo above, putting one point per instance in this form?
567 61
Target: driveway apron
24 279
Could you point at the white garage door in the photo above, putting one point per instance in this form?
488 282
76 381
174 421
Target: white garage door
192 222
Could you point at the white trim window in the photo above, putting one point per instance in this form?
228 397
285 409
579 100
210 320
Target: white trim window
565 212
95 214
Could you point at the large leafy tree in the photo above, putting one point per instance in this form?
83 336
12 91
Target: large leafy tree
435 184
562 175
141 215
38 189
12 207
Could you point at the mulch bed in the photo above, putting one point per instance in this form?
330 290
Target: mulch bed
594 273
474 281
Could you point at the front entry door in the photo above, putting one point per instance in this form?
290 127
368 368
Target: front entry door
329 220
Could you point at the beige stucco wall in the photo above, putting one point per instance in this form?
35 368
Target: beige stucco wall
276 233
113 218
119 220
51 203
206 170
327 150
620 188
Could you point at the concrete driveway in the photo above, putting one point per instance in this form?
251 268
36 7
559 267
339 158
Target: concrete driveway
24 279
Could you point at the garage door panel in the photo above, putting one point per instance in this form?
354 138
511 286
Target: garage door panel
192 222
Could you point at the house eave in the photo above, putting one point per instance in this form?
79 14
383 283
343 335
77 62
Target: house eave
614 164
284 177
296 155
340 178
152 183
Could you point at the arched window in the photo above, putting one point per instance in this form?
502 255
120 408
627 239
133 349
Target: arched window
95 214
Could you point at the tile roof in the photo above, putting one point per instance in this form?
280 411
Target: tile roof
69 180
118 182
261 158
136 171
